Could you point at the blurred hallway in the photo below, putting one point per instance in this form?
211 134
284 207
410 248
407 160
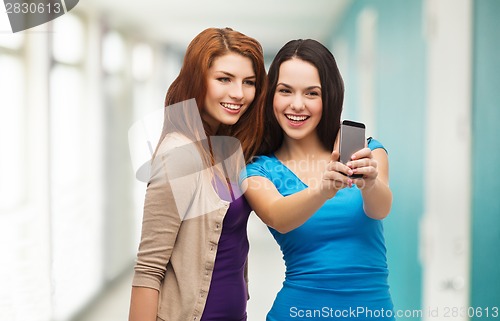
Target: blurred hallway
112 304
423 75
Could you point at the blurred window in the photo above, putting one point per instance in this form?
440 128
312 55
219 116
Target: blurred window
113 53
12 123
68 40
142 62
11 41
76 215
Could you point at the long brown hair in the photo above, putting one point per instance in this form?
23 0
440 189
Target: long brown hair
332 92
192 83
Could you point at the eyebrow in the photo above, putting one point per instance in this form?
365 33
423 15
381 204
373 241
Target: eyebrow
307 88
231 75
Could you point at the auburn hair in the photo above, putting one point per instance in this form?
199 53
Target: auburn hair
192 83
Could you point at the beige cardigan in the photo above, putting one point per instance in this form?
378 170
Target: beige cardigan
181 228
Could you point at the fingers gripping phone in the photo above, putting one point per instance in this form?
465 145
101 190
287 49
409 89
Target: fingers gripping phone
352 139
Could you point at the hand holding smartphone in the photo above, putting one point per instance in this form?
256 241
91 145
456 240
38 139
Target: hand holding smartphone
352 139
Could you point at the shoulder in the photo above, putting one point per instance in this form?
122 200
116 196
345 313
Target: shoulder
262 165
263 161
178 156
172 141
375 144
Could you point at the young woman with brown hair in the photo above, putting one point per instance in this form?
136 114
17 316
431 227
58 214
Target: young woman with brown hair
328 224
191 263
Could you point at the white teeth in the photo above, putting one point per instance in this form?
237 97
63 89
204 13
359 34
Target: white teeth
296 118
231 106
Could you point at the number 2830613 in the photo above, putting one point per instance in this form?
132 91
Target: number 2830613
40 8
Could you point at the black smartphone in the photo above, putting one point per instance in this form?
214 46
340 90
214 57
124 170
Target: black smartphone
352 139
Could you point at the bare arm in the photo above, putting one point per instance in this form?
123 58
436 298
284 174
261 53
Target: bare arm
143 304
285 213
377 196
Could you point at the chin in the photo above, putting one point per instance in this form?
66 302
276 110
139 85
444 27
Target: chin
230 121
295 135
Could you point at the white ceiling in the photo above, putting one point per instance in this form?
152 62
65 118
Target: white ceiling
272 22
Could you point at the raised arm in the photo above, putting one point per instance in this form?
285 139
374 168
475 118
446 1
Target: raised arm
285 213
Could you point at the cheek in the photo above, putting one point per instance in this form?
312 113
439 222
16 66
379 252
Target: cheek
276 113
213 90
318 108
250 94
279 103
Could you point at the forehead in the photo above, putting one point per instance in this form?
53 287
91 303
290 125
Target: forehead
297 71
233 63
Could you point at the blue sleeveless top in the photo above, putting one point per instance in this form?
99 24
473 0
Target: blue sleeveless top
336 265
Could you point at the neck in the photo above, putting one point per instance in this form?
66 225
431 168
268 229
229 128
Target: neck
210 129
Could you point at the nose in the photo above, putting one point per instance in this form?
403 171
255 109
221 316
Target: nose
236 92
297 103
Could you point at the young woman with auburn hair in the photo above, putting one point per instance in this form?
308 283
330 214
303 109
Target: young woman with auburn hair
191 82
192 258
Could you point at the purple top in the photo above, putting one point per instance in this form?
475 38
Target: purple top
227 297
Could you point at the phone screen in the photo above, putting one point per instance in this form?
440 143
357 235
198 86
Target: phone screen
352 139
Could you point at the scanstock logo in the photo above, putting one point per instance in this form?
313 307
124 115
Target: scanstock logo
28 14
187 163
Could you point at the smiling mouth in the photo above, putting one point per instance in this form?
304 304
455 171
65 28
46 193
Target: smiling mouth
297 118
233 107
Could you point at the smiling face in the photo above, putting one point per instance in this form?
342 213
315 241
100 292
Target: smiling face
297 100
230 90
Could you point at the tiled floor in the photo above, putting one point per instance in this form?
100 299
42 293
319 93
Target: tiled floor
266 272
